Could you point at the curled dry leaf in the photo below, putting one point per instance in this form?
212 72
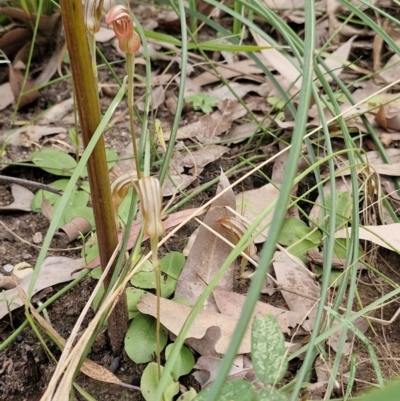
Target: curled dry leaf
76 227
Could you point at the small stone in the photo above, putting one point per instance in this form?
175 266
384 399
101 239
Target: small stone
37 238
8 268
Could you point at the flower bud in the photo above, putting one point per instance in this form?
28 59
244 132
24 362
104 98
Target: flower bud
120 19
93 11
150 203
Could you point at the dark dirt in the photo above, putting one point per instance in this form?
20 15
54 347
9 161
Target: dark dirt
25 367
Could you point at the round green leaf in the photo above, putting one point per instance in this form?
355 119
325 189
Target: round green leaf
54 162
133 296
171 265
149 383
140 339
268 352
50 196
183 364
188 396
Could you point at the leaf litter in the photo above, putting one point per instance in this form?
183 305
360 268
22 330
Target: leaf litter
218 125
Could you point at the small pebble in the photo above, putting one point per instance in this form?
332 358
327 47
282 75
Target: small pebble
115 364
8 268
37 238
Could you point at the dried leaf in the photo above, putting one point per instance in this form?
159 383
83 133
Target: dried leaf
6 95
231 304
174 315
279 61
387 236
22 199
253 202
156 100
208 253
76 227
292 274
208 367
18 84
239 68
54 270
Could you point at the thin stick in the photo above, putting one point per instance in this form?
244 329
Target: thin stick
32 184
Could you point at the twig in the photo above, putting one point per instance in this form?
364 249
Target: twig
32 184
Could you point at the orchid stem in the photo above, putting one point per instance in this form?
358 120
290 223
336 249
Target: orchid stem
130 63
156 267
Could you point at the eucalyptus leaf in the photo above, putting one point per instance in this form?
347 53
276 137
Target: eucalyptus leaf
140 339
183 364
235 390
149 383
268 352
54 162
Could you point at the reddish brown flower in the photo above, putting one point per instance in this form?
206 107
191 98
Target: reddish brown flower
128 39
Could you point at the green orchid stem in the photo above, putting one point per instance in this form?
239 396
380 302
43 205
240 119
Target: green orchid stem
130 64
157 272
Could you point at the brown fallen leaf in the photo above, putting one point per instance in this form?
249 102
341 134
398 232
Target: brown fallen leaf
6 95
388 117
231 304
253 202
197 159
174 315
24 92
387 236
22 199
292 274
208 253
157 98
208 367
239 68
76 227
54 270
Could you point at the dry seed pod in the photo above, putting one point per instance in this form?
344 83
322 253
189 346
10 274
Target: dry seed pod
150 202
237 229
